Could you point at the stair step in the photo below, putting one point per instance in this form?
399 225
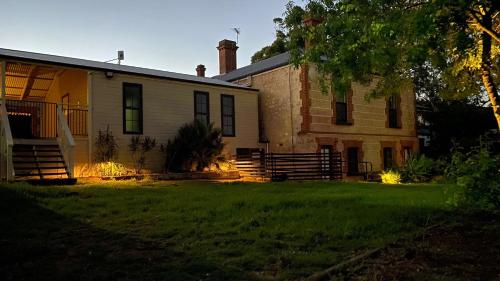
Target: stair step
37 156
40 161
37 150
37 145
37 174
41 168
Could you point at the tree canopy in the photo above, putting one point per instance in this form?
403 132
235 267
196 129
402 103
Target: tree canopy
455 41
279 45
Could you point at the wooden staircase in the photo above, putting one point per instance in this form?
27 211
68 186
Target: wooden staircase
40 162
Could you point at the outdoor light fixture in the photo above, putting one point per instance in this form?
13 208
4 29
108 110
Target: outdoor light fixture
109 74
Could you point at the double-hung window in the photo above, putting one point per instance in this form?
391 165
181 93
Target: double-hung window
201 107
392 112
227 116
132 108
341 107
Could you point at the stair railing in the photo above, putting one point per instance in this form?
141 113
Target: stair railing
66 142
6 144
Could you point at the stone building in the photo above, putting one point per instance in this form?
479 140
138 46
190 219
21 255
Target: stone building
296 116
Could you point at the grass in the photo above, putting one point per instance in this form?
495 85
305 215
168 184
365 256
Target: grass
203 231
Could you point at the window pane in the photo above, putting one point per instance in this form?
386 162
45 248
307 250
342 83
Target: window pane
128 100
393 118
135 101
227 103
201 107
128 114
341 113
341 96
132 108
129 126
392 102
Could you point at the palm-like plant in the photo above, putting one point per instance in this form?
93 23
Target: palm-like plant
195 143
138 147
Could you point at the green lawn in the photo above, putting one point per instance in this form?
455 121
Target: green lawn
203 231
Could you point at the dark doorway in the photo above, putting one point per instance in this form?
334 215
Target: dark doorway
21 125
388 159
352 161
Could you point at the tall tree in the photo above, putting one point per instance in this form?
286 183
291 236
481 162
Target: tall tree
359 40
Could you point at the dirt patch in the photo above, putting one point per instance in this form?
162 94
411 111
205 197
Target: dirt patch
468 249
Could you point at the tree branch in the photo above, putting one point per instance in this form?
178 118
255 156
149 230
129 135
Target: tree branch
477 22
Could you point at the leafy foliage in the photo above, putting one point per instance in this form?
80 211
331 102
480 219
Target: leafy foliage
111 169
196 143
420 169
476 173
390 177
398 41
279 46
106 147
138 147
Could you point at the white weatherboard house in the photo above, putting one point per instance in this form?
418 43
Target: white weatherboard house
52 107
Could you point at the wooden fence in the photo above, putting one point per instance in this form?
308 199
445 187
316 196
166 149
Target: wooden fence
291 166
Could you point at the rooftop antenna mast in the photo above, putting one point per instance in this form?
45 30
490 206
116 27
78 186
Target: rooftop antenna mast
237 30
121 56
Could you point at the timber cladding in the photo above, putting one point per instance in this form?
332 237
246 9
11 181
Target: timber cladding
166 106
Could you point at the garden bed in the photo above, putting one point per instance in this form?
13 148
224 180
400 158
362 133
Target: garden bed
219 175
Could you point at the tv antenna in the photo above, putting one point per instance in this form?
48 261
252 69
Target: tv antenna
237 30
121 56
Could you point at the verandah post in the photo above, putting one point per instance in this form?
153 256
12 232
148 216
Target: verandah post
4 70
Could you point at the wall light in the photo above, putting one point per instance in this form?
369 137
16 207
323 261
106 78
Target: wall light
109 74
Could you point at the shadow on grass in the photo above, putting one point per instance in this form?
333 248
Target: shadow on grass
38 244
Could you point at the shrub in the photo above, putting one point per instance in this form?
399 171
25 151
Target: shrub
139 146
477 175
105 146
390 177
195 144
111 169
419 169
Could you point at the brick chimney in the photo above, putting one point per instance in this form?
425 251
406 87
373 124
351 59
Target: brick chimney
227 56
310 21
200 70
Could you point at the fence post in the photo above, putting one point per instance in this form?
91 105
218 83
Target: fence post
330 166
272 167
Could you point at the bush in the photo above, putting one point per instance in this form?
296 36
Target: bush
105 146
139 146
477 175
390 177
196 144
420 169
111 169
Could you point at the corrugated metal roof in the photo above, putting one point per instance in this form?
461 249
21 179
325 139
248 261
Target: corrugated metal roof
259 67
89 64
